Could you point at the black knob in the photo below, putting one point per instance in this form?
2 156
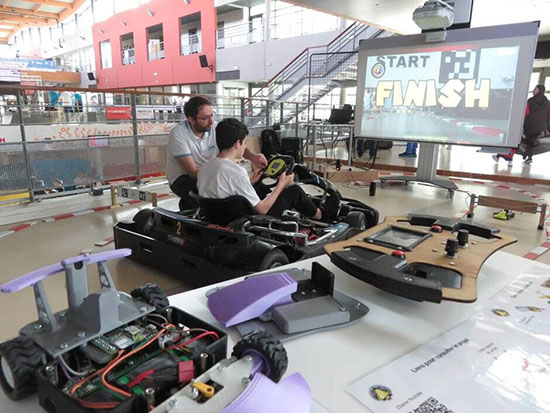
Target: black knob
451 247
462 237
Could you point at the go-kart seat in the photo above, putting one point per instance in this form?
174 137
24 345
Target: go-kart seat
224 211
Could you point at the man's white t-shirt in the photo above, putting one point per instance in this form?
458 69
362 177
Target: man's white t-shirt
221 178
183 142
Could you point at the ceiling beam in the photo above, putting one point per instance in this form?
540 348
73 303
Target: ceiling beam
52 3
14 18
28 12
67 12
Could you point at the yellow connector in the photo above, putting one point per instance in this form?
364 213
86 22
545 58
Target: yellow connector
204 389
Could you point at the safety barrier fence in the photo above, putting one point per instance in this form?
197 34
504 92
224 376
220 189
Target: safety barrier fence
48 150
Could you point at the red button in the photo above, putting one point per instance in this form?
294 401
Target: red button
398 254
436 228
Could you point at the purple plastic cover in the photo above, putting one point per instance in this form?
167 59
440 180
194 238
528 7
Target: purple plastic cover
292 395
42 273
251 298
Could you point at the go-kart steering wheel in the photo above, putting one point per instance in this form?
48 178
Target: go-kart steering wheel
276 166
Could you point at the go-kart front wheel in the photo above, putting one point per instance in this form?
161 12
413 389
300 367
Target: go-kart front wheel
19 358
151 294
356 219
274 258
270 350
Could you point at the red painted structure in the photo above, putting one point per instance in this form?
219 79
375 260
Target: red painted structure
174 68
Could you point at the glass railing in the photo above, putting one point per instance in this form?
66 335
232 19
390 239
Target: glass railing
155 51
296 21
47 150
190 44
241 34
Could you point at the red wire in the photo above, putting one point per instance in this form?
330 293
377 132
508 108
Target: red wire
207 333
201 335
140 378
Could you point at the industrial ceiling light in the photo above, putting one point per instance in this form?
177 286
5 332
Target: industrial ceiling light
150 13
122 23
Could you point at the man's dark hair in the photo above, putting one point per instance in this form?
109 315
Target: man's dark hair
192 106
229 131
541 89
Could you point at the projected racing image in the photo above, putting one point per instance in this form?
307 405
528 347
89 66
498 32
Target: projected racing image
448 93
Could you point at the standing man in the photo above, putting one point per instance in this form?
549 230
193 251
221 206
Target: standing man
537 116
537 121
66 99
191 144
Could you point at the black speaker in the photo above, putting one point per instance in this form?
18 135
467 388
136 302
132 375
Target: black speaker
291 144
91 76
293 147
203 60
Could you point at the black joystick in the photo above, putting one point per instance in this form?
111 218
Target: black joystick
451 247
462 237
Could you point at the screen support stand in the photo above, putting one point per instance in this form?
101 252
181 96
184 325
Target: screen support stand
426 170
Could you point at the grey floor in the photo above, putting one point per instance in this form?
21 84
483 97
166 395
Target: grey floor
49 242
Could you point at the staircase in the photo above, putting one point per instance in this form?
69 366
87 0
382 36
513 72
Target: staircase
310 76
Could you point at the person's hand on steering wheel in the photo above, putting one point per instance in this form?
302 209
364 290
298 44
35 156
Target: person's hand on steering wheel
285 180
258 160
256 176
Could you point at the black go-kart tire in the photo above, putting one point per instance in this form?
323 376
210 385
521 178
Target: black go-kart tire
20 359
151 294
270 349
274 258
356 219
144 221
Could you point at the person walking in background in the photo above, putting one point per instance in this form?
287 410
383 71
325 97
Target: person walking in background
537 121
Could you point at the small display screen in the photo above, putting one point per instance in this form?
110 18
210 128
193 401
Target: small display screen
397 237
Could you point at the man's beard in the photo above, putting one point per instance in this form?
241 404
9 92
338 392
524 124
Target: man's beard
200 129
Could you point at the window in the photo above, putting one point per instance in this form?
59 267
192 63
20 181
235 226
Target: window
221 35
142 99
156 99
128 51
155 42
105 54
190 34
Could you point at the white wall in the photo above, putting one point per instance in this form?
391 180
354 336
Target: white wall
233 18
249 59
259 62
281 52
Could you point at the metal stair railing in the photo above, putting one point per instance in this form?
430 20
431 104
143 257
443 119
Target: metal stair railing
286 83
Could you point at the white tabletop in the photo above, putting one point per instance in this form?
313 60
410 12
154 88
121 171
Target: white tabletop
331 360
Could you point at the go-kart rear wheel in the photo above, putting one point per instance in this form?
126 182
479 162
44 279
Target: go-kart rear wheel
151 294
356 219
144 221
19 358
270 350
274 258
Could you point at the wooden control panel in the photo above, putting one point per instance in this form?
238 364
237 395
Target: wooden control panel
422 257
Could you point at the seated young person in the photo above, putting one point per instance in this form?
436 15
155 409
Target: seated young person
221 177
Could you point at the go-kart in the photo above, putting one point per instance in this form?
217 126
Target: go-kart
224 239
